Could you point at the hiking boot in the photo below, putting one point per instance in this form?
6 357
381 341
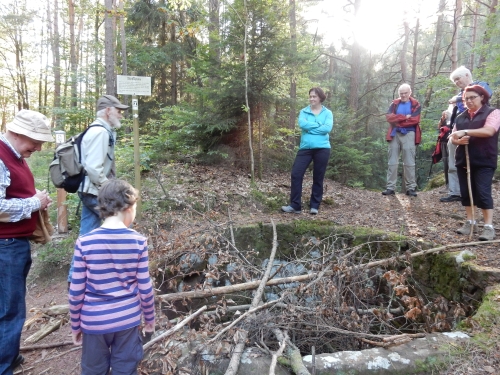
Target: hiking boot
451 198
411 193
466 228
290 210
17 362
388 192
313 211
488 234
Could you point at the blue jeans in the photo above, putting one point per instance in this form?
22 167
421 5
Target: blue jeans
120 350
15 263
89 219
320 157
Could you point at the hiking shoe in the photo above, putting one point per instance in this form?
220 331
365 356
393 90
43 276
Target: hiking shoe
451 198
388 192
314 211
17 362
290 210
488 234
466 228
411 193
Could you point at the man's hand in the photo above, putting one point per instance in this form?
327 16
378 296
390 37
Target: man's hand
452 100
408 116
77 338
45 200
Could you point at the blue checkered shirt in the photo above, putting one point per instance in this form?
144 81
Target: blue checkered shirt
14 209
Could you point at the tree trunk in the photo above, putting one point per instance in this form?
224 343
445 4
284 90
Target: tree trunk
109 47
355 66
474 36
435 50
293 82
415 53
72 51
404 51
490 26
173 68
123 45
213 30
457 15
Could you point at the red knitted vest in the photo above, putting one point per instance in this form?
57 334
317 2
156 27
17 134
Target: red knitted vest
22 185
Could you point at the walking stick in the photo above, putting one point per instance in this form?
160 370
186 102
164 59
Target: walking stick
470 190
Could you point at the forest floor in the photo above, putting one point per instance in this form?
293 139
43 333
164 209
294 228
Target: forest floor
223 190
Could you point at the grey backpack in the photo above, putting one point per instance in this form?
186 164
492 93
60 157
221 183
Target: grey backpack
66 170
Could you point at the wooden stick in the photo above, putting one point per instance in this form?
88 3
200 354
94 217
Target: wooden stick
278 354
469 186
243 316
285 280
174 329
234 362
44 346
58 355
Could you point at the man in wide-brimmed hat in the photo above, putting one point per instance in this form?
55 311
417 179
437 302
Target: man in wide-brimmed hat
98 158
19 200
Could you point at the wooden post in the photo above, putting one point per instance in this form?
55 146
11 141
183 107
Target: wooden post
137 153
62 208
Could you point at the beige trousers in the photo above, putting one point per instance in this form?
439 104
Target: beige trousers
404 144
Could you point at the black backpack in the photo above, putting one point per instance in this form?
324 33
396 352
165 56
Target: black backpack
66 170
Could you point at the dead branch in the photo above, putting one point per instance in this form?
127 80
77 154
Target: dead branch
394 340
44 346
234 363
278 354
285 280
51 326
243 316
58 355
174 329
52 310
293 353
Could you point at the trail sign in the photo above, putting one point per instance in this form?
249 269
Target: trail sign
133 85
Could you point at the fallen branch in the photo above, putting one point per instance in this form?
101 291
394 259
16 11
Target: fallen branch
285 280
243 316
293 353
58 355
234 362
278 354
44 346
52 310
394 340
46 330
174 329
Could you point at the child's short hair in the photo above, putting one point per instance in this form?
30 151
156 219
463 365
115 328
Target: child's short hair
115 196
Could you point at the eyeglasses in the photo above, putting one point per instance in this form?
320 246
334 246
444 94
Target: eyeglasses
470 98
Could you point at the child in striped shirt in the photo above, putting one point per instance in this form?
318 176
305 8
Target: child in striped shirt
111 288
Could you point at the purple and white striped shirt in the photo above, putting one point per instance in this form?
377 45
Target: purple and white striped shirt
110 285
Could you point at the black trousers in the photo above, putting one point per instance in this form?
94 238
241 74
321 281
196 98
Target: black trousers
320 157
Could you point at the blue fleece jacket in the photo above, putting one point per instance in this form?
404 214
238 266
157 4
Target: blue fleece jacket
315 128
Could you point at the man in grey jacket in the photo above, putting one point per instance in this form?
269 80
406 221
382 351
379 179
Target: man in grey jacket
98 158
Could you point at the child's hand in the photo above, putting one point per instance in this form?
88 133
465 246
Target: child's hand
77 338
148 327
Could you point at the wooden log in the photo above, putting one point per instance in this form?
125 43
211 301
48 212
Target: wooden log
291 279
47 329
174 329
44 346
234 362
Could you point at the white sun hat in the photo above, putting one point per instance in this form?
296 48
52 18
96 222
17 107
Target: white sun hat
32 124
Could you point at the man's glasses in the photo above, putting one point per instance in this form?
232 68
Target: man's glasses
470 98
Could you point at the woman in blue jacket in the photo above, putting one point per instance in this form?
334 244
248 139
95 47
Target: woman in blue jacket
316 122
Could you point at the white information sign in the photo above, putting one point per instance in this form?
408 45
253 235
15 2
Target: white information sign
135 104
133 85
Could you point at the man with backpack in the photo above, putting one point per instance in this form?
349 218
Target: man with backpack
98 159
